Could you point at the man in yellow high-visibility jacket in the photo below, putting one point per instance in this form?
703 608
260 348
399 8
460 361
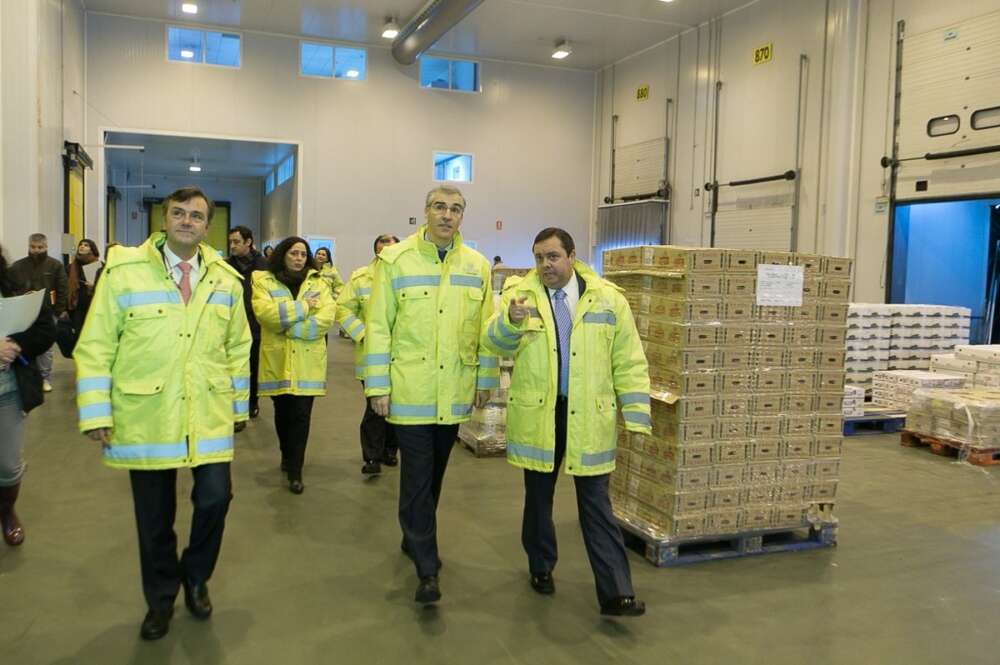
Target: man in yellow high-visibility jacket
378 441
423 365
163 373
576 353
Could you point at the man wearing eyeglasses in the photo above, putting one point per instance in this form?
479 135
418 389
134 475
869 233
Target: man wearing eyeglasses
424 369
162 377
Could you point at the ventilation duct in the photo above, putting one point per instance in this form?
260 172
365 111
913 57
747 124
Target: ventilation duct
434 19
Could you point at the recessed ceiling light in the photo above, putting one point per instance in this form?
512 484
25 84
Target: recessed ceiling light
352 73
390 30
666 0
185 53
563 50
189 8
195 167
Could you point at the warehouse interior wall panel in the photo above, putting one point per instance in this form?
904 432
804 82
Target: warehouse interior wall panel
870 219
367 146
757 228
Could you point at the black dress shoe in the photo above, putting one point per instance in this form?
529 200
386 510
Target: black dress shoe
156 624
624 606
296 486
240 426
428 592
390 459
371 468
197 600
543 583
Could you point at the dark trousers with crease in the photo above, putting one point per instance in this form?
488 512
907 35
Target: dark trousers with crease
601 535
292 414
424 452
154 494
378 438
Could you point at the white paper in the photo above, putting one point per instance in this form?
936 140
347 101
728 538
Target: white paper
18 313
779 285
90 271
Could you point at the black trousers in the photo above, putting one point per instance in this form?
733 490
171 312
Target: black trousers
292 414
378 439
424 457
254 367
601 535
154 494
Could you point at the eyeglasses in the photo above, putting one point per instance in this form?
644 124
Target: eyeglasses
178 214
439 207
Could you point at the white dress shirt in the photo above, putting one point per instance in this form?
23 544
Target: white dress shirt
171 260
572 290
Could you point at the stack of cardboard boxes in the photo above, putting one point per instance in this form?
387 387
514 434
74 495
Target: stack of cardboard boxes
894 388
970 417
854 401
485 434
900 337
979 365
747 403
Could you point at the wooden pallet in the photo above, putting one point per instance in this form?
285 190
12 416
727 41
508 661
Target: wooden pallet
877 420
669 553
949 448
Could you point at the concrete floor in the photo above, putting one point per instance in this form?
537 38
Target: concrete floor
319 578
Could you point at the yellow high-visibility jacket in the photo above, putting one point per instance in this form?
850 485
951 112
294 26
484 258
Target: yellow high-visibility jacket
606 365
332 278
292 334
422 331
169 379
352 311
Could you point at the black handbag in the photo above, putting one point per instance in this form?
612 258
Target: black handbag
65 337
29 384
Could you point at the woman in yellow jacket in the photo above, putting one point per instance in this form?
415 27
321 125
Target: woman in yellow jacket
328 272
295 309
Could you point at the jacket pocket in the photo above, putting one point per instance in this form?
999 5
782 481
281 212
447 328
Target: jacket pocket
472 320
138 386
220 384
605 430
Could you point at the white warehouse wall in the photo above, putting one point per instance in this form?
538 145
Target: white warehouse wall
365 147
41 47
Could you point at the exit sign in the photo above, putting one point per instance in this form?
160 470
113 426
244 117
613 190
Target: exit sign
763 54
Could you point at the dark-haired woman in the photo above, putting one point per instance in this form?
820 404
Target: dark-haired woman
295 309
20 391
328 272
81 292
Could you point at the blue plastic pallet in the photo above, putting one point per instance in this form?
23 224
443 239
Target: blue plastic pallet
665 553
874 424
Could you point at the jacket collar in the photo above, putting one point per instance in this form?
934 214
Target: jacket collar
427 247
585 276
206 253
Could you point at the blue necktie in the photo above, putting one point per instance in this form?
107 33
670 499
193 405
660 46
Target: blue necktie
564 326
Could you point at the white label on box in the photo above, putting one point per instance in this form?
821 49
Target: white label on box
779 285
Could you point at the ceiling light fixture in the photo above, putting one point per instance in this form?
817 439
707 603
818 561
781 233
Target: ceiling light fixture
189 8
195 167
186 53
391 29
563 50
666 0
352 73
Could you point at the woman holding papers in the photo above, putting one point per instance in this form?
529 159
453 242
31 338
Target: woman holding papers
20 391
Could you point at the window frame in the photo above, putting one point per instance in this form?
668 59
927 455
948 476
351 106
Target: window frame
972 118
946 116
278 182
334 46
451 59
472 162
204 50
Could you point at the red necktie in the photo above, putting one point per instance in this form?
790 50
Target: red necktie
185 285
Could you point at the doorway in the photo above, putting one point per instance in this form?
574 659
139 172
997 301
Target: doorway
946 253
